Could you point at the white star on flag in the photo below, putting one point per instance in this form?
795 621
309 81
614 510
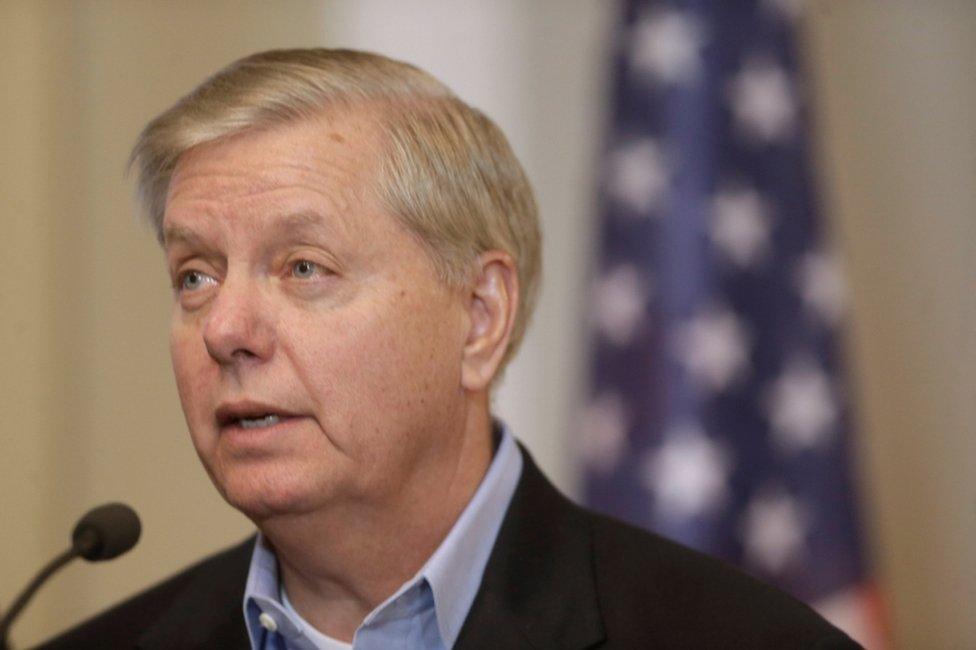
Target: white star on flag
762 101
740 226
822 287
688 475
714 347
801 406
604 425
667 44
619 298
774 530
638 175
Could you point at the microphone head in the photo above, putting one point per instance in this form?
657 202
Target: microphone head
106 532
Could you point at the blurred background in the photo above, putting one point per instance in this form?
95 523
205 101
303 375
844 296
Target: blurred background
90 409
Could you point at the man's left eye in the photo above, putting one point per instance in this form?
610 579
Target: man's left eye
303 269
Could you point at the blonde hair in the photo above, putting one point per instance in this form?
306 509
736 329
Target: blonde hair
448 172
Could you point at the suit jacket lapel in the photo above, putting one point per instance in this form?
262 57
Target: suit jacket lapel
538 589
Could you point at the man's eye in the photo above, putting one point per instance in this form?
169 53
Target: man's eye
303 269
192 280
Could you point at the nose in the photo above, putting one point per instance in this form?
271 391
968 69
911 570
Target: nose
239 327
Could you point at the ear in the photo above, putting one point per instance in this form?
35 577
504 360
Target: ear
492 305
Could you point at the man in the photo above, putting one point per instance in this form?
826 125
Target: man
354 255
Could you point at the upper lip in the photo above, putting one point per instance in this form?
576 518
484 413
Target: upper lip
230 412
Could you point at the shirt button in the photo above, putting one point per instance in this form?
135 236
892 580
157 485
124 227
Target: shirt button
267 622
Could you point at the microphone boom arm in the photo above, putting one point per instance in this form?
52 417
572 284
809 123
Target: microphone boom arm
31 588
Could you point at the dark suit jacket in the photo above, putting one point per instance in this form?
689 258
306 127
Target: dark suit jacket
559 577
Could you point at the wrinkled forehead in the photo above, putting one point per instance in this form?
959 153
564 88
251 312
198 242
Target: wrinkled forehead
332 159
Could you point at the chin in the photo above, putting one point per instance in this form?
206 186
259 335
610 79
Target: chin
260 495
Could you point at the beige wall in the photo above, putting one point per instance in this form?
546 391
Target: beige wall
26 323
897 84
89 409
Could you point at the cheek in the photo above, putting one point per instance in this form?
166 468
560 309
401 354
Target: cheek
377 370
414 363
189 357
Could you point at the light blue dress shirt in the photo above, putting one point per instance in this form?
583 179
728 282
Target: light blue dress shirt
427 612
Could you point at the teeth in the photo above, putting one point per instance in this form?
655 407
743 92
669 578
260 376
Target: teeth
258 423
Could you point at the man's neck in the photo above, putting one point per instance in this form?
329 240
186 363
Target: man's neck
337 566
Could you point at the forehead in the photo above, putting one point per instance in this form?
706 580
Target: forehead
325 163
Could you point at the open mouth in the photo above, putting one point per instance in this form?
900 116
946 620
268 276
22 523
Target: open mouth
250 415
260 422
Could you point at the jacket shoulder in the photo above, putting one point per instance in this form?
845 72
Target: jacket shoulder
124 624
657 592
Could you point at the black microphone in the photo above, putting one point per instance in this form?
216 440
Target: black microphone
106 532
103 533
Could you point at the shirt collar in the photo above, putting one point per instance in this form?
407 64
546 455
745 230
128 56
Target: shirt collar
452 573
454 570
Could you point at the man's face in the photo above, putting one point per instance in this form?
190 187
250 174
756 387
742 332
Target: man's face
316 353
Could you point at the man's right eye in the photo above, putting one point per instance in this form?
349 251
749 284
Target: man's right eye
192 280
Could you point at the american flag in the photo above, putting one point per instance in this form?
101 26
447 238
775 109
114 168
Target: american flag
719 414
